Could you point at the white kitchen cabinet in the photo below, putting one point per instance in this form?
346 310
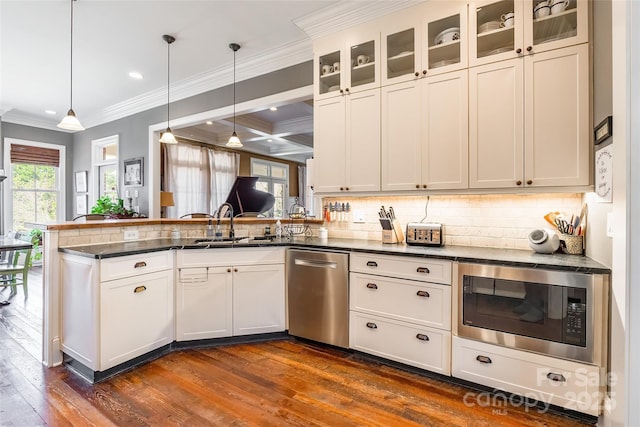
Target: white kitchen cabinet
571 385
347 143
204 297
425 133
400 309
116 309
528 35
424 42
230 292
529 121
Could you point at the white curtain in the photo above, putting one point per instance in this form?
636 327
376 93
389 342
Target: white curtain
199 177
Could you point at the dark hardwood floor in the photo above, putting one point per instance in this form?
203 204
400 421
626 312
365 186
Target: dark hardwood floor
278 383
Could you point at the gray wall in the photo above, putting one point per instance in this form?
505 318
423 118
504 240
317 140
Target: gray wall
29 133
133 130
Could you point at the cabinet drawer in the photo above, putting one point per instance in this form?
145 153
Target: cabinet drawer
424 269
561 382
224 257
419 346
417 302
130 265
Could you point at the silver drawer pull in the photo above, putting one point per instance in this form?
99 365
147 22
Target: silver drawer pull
556 377
372 264
424 270
140 264
372 286
422 337
372 325
139 289
423 294
483 359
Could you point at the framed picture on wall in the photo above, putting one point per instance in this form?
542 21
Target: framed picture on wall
133 172
81 204
81 182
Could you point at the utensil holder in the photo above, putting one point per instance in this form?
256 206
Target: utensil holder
571 244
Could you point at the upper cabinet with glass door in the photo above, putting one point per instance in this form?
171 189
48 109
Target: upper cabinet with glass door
510 28
431 42
347 67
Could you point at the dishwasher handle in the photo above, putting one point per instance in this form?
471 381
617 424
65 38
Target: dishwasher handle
315 263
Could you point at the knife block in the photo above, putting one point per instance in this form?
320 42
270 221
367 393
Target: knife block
393 236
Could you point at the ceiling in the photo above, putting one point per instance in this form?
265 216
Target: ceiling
113 38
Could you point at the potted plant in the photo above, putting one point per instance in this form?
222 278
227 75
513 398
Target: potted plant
113 209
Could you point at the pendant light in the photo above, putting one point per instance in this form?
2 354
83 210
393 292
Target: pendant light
234 141
70 121
167 136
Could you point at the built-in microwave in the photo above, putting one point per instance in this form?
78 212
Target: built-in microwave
557 313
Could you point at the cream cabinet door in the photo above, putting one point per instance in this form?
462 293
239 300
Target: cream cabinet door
329 133
558 138
203 303
496 122
258 299
445 133
401 136
363 141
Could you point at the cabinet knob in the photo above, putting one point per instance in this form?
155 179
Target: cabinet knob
556 377
422 337
372 286
139 289
341 189
372 325
228 270
140 264
417 185
529 182
346 90
529 48
424 72
424 270
518 182
424 185
417 74
235 270
423 294
518 50
483 359
346 188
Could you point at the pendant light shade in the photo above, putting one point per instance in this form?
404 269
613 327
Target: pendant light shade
70 121
167 136
234 141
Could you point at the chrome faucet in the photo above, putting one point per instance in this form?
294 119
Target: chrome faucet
219 214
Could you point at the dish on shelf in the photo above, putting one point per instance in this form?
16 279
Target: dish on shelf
332 88
489 26
444 62
448 35
401 55
499 50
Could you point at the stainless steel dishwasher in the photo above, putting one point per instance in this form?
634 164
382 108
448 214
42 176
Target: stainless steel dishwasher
318 295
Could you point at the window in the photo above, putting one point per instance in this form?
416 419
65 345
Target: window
274 179
105 167
35 188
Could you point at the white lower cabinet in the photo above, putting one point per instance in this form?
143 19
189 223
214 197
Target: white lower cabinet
571 385
400 309
420 346
229 292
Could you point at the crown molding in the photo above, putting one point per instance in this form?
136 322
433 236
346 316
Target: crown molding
345 15
282 56
20 118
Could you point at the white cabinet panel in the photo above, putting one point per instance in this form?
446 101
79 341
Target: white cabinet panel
413 345
136 316
258 299
363 141
329 150
125 266
203 303
413 268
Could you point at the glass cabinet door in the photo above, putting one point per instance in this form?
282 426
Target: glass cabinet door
445 38
400 55
363 66
555 23
328 69
496 31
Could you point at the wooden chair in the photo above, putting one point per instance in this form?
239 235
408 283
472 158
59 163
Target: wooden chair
17 265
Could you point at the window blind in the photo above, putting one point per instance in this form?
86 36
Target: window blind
35 155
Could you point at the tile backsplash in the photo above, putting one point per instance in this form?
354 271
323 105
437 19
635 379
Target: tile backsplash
494 220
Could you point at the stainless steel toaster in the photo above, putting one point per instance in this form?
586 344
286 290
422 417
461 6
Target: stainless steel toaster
426 234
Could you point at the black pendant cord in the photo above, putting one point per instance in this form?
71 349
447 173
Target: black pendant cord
168 78
71 68
234 90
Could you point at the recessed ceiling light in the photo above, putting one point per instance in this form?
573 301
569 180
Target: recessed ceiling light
209 122
51 112
273 108
269 140
135 75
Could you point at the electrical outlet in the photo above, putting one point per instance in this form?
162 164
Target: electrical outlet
358 217
135 193
131 235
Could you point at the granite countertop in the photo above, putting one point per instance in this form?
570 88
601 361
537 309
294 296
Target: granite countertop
507 257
